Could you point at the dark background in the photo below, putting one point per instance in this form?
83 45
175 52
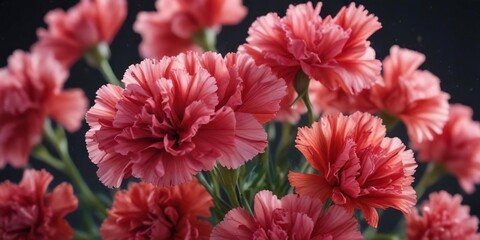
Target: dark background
447 32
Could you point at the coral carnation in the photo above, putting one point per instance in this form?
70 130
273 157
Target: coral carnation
457 149
179 115
358 166
171 29
83 26
292 217
148 212
412 95
28 212
333 50
30 91
443 218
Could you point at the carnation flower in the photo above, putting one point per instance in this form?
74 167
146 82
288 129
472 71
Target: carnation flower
457 149
333 50
27 211
359 168
326 101
171 30
292 217
148 212
70 34
412 95
30 91
179 115
443 218
406 93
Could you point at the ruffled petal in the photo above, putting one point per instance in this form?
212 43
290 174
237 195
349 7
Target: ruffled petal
68 108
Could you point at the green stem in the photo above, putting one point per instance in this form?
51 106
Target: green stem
80 235
244 201
389 121
301 83
304 167
400 228
370 232
41 153
107 72
232 196
228 178
206 39
257 181
88 222
90 198
215 185
308 104
267 167
432 174
383 236
327 205
204 182
243 175
59 142
282 161
283 146
221 207
97 57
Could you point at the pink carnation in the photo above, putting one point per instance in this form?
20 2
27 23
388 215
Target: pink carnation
409 94
171 29
28 212
359 168
179 115
292 217
457 149
31 90
326 101
333 50
412 95
83 26
443 218
148 212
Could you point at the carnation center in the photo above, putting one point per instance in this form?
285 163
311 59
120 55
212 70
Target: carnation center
326 43
24 217
363 172
279 227
168 131
177 145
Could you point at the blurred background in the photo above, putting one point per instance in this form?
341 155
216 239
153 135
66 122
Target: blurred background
448 33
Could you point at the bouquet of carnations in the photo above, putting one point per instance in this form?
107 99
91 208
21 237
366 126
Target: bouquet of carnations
284 139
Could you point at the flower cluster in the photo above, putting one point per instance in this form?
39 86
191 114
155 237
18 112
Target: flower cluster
194 128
